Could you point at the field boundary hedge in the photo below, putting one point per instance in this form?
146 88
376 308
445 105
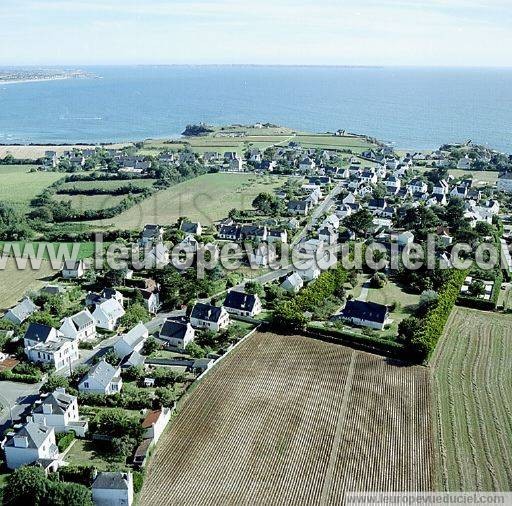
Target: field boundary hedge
435 321
371 344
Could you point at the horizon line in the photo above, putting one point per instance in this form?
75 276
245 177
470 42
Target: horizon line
284 65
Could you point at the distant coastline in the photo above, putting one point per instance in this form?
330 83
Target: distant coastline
30 76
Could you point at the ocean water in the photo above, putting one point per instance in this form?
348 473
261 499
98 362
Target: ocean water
414 108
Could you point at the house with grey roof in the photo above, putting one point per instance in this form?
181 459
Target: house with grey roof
73 269
177 333
191 227
46 345
102 378
32 443
209 317
80 326
107 313
113 489
21 312
293 283
131 341
151 234
60 411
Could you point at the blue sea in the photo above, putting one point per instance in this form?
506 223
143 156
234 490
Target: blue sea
413 108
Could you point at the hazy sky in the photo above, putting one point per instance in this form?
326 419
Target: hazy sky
338 32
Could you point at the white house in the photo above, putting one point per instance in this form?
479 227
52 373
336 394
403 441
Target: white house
242 304
293 283
73 269
464 163
31 443
107 313
113 489
46 345
365 314
151 234
158 256
131 341
102 378
177 333
417 186
441 188
151 300
505 182
209 317
19 313
404 238
60 411
155 422
80 326
263 256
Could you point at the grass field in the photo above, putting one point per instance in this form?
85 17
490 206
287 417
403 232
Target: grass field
206 198
19 185
479 177
90 202
390 294
111 184
472 380
15 283
292 420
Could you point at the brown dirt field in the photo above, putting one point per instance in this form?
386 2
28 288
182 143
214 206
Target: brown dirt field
292 420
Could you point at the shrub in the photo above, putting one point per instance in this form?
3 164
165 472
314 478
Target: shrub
64 440
138 480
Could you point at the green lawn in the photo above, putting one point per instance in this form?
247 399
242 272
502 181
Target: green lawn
82 453
393 294
19 185
479 177
90 202
86 249
111 184
206 198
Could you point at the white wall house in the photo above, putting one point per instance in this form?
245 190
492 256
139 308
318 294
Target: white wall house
206 316
107 314
80 326
131 341
46 345
19 313
73 269
242 304
102 378
293 283
60 411
31 443
505 182
113 489
177 333
155 422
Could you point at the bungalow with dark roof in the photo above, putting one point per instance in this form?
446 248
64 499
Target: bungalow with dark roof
242 304
209 317
365 314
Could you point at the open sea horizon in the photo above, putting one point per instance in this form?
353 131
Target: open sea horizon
408 107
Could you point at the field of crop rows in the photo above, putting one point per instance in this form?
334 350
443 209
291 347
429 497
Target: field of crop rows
292 420
473 389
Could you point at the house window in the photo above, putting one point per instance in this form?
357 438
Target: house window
86 384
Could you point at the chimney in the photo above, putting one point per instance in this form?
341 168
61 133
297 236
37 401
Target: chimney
47 409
